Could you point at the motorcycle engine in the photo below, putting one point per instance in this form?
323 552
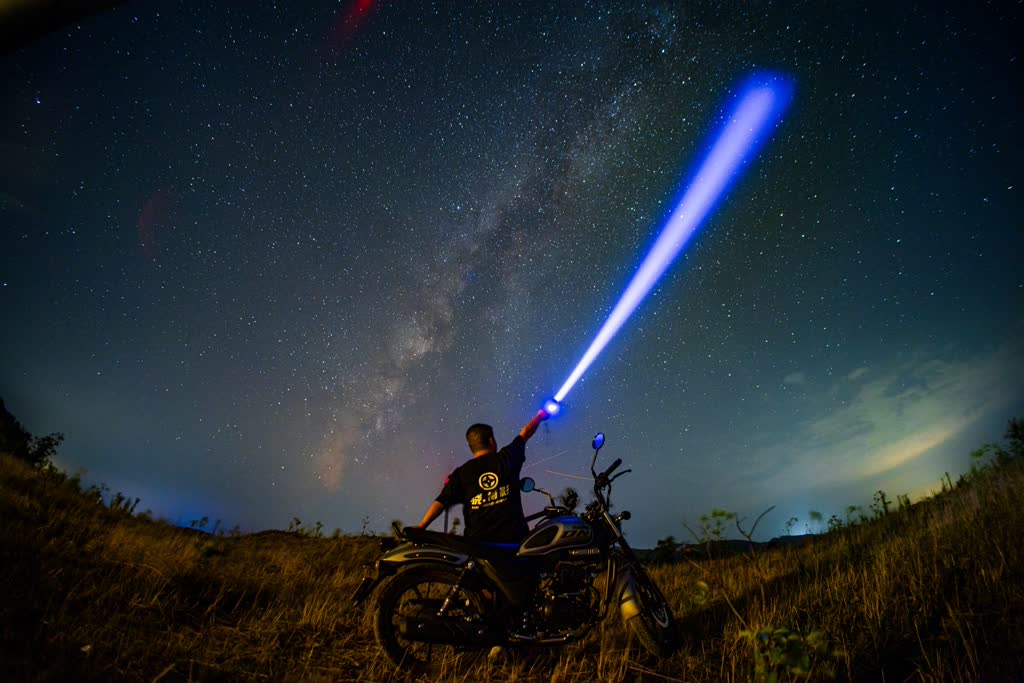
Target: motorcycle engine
566 597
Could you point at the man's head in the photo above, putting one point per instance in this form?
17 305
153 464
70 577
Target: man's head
480 438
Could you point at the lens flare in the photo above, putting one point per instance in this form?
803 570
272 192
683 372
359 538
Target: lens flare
761 101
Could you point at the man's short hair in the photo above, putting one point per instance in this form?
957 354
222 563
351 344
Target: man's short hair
479 437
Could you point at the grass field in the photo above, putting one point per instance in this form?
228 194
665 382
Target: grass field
90 592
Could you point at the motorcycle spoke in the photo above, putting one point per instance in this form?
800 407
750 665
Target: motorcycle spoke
418 599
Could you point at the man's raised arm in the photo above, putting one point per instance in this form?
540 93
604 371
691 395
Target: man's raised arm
531 427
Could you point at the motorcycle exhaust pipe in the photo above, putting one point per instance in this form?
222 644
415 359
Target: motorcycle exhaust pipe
441 631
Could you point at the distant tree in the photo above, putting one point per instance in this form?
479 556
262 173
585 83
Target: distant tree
296 526
570 498
665 550
19 442
979 464
43 448
1014 436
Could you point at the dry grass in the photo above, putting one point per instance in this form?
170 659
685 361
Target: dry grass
935 592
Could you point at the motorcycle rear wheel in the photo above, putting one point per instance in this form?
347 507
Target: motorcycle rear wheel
404 596
654 626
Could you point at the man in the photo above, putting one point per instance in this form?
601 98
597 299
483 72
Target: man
488 486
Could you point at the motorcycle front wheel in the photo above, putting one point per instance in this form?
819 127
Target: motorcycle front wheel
418 593
654 626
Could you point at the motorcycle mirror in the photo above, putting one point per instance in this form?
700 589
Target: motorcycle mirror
526 484
598 441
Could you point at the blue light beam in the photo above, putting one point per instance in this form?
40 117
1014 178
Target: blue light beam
762 100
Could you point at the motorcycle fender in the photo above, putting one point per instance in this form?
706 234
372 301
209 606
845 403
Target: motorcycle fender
366 587
409 553
396 558
625 588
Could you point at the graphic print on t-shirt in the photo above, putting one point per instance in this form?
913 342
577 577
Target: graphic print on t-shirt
487 487
488 481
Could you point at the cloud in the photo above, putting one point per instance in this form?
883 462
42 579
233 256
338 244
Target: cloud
888 422
858 373
799 377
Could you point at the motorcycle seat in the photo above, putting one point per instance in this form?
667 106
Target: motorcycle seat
461 544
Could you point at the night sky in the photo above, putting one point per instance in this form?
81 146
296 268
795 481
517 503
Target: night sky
262 262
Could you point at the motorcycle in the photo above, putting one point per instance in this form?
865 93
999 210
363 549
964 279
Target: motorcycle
444 592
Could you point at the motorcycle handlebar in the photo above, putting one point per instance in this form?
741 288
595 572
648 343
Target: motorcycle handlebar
619 475
604 475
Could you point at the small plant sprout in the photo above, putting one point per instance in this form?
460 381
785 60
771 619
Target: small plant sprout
790 523
780 653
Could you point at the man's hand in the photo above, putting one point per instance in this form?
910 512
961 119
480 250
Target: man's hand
433 512
531 427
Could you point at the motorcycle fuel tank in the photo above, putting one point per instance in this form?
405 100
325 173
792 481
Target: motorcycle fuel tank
557 533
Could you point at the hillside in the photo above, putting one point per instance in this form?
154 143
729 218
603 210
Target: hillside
933 592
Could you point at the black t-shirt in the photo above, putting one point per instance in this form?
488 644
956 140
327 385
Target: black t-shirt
488 489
